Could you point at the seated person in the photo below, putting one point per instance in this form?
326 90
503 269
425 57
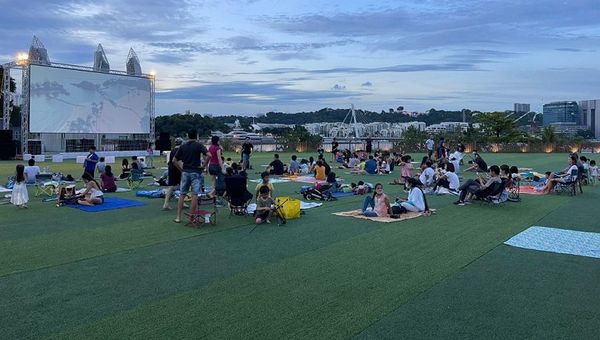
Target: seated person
142 163
67 195
101 165
371 166
108 180
320 171
479 187
324 163
565 176
276 166
304 167
264 206
416 201
125 169
427 175
236 188
448 180
478 164
379 203
360 188
136 172
92 195
31 170
294 167
331 183
265 183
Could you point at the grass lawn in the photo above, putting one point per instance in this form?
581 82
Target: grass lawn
133 273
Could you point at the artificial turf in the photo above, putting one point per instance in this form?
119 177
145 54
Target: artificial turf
134 273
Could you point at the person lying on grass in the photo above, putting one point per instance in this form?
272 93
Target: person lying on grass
92 195
264 206
379 203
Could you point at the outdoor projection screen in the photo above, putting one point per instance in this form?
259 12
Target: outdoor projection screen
73 101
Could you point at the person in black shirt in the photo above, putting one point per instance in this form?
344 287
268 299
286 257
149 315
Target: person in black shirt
189 160
247 148
276 167
334 149
369 145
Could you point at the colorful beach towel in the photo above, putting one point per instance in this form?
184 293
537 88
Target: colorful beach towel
272 180
358 214
529 190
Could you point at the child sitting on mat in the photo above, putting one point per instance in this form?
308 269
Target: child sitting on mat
264 206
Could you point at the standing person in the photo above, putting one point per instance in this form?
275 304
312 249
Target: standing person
89 165
173 175
369 148
247 149
441 150
334 149
189 160
149 160
429 143
19 196
215 167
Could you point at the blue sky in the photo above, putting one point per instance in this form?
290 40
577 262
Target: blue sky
253 56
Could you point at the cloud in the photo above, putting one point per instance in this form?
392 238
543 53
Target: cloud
253 92
383 69
565 49
366 84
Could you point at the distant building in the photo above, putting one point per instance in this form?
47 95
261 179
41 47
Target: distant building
521 108
563 113
590 110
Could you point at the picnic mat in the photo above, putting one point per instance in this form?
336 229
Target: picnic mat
358 214
110 203
305 179
4 189
340 194
556 240
273 180
529 190
303 206
123 190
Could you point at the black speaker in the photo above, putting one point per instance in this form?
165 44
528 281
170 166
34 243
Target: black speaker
8 150
34 147
6 135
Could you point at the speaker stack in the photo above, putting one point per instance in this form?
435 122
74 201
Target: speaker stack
8 147
163 143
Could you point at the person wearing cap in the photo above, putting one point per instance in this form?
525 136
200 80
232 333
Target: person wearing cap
174 174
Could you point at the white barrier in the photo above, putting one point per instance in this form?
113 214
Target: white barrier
81 159
109 159
57 158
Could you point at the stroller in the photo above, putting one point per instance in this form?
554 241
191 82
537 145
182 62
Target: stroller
237 195
321 193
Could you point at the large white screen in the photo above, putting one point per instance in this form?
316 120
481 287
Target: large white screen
64 100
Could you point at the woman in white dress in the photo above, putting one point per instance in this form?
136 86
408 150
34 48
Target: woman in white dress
92 195
19 196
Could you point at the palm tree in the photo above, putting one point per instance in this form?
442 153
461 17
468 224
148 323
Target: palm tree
549 134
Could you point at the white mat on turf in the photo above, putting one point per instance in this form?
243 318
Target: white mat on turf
556 240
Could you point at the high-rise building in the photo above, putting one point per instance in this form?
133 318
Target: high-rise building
590 109
521 108
565 116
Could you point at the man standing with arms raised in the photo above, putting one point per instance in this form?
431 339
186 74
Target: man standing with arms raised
189 160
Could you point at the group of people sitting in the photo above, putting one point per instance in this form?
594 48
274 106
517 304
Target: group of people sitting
577 169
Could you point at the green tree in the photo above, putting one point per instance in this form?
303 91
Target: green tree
502 128
549 134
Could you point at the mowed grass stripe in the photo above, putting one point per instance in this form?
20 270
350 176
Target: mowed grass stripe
333 292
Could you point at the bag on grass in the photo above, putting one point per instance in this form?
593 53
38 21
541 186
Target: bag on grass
288 207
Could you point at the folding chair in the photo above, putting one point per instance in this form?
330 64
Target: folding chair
46 188
514 190
135 178
569 184
207 210
237 195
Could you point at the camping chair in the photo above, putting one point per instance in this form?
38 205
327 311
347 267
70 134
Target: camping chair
46 188
237 195
207 209
570 184
514 189
495 197
135 179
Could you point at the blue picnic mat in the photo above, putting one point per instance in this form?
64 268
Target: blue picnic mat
558 241
340 194
110 203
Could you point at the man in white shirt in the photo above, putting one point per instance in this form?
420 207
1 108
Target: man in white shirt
427 175
31 171
429 143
